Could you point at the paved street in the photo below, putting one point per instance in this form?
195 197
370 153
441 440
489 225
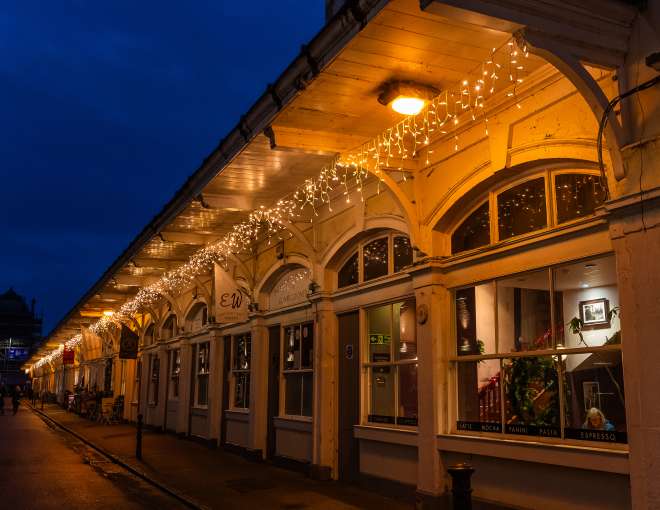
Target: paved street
35 456
43 469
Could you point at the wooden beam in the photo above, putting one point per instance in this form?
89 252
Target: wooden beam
307 140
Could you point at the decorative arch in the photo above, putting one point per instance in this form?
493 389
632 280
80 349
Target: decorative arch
170 323
191 315
276 270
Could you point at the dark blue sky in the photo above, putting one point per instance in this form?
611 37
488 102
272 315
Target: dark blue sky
106 107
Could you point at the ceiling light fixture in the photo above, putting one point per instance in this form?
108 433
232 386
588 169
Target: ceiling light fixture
406 97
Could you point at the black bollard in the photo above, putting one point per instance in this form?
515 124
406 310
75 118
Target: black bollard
461 489
138 439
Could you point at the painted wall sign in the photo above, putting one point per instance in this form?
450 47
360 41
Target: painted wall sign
291 289
231 300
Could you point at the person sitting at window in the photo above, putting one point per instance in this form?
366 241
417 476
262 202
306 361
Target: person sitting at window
596 420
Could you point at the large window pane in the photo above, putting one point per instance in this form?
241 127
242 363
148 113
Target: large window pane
407 414
403 255
577 195
242 389
293 397
203 390
479 400
404 336
522 209
382 394
587 304
473 232
307 394
348 274
292 348
475 320
531 389
307 340
242 348
375 258
379 324
523 312
594 404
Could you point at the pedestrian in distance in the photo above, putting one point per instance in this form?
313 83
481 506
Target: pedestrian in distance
15 399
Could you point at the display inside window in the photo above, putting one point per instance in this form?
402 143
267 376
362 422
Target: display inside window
175 372
522 209
348 274
578 195
402 252
203 369
521 394
375 258
298 368
392 370
474 232
240 373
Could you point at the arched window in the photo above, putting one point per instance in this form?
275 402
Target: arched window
149 335
197 317
376 257
538 203
169 328
474 232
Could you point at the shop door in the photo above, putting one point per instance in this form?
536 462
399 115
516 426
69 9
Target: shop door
349 395
226 366
273 387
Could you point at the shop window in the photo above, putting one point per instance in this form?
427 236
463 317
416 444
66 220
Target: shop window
505 387
522 209
473 232
403 255
297 370
577 195
175 372
149 335
122 377
240 370
392 363
169 328
375 258
202 374
154 379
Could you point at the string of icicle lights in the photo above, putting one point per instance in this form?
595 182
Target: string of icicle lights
409 139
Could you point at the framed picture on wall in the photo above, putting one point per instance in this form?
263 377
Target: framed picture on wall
595 312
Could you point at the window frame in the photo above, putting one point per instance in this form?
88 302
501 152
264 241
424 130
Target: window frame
154 380
549 175
175 378
555 353
390 234
366 365
233 372
284 371
200 374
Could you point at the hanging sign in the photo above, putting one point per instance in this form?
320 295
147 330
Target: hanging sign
128 344
231 300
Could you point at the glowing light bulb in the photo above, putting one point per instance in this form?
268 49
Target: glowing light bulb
408 105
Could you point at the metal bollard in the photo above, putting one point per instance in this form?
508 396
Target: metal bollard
461 489
138 439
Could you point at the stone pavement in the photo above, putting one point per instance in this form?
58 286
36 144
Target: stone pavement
219 479
41 468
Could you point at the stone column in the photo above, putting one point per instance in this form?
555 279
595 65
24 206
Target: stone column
185 387
432 303
258 389
216 382
325 411
636 241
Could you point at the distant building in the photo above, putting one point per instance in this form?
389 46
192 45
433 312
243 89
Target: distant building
20 331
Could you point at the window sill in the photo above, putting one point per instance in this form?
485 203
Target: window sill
581 457
403 436
237 415
299 423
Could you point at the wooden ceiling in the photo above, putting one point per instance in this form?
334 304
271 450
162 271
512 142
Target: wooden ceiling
336 112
